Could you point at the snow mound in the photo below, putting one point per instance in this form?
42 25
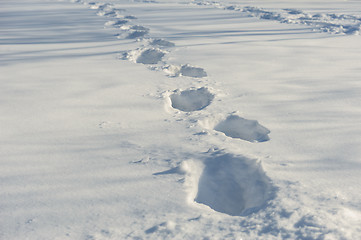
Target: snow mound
233 185
192 99
190 71
236 127
161 43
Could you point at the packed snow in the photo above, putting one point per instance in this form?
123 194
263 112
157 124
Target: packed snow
180 119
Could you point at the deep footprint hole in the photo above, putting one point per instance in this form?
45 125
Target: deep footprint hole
150 56
191 100
161 43
233 185
190 71
236 127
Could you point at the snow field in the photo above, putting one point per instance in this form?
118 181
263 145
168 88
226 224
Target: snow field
308 226
114 139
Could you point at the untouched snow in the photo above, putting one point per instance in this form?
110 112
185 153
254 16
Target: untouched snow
180 119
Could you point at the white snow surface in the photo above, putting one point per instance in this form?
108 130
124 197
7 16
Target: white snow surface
180 119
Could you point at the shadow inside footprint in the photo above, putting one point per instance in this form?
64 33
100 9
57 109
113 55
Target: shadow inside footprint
137 34
236 127
119 23
150 56
233 185
162 43
191 100
190 71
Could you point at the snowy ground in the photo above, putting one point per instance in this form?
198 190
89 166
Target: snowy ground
180 119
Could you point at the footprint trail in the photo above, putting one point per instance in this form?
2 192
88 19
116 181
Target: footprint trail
322 22
226 183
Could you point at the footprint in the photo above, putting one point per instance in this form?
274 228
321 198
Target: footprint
106 7
236 127
233 185
137 31
136 34
172 70
190 71
192 99
102 7
95 5
115 13
161 43
92 5
117 24
166 227
184 70
150 56
130 17
145 56
293 11
139 28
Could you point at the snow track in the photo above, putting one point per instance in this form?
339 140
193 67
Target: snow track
228 184
174 142
330 23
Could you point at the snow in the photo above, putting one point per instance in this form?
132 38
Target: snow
177 119
236 127
191 100
232 185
